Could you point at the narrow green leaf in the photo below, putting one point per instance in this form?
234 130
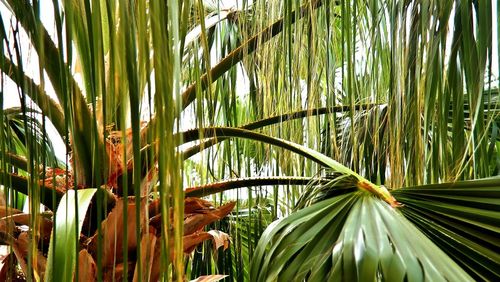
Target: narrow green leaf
62 257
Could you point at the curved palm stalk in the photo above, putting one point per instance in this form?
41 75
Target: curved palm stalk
16 161
212 188
362 183
20 184
214 132
277 119
351 237
47 105
306 113
247 47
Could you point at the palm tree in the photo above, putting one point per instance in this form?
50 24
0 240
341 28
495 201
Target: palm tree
159 102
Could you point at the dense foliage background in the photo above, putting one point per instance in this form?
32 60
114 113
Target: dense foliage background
363 136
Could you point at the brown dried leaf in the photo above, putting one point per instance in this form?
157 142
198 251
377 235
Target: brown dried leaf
24 219
58 179
191 241
195 205
209 278
117 273
220 239
195 222
154 207
113 231
156 267
115 148
148 244
21 248
4 226
8 271
115 166
155 221
8 211
191 205
87 269
224 210
23 242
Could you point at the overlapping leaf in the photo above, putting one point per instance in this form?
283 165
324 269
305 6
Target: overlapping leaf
463 219
350 237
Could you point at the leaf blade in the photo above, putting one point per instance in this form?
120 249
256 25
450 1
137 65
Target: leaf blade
62 256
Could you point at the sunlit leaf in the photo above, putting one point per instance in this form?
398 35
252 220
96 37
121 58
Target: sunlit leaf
350 237
69 218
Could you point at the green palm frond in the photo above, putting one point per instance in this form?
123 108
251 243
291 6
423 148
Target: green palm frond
22 128
247 224
440 226
47 105
462 218
352 237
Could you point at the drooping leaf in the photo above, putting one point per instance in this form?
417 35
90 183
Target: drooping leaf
220 239
195 222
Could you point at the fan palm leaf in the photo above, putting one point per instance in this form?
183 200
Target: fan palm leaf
445 231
